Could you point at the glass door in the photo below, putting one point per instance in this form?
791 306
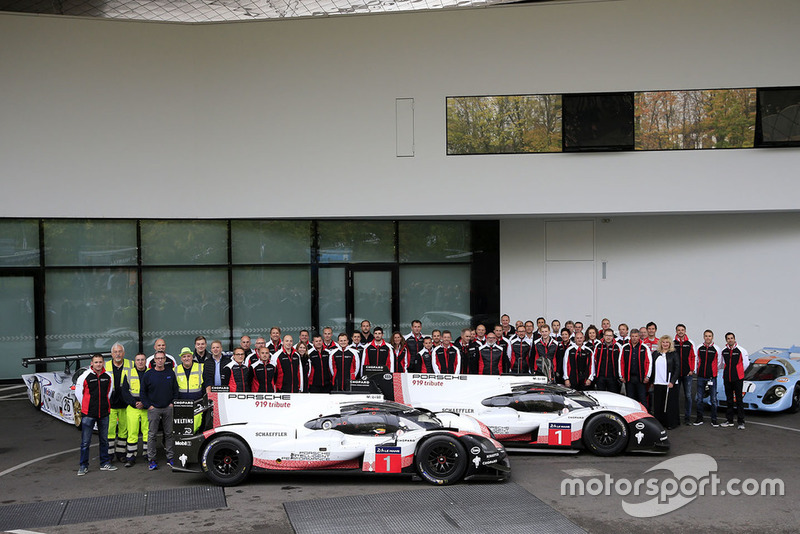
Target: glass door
371 295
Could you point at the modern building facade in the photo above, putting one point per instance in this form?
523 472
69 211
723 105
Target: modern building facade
220 178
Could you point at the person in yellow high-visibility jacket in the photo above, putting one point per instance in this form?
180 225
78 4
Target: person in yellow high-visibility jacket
190 380
136 412
117 367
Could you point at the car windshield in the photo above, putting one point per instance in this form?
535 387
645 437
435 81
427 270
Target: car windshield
425 420
764 371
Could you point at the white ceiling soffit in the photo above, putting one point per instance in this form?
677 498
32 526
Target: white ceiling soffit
193 11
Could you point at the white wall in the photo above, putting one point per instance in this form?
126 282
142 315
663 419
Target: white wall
130 119
734 272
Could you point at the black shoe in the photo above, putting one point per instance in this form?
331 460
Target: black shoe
698 422
687 422
129 461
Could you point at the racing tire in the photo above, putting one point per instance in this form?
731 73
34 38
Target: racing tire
77 415
226 461
36 394
795 407
441 460
606 434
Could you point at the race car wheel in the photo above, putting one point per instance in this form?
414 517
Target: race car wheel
441 460
77 416
795 407
36 394
227 461
606 434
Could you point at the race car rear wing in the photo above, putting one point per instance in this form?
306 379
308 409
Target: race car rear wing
68 359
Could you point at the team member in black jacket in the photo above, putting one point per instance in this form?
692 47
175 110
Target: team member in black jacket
262 373
320 379
493 360
288 368
544 355
274 344
213 366
401 360
93 391
635 368
378 352
707 363
470 352
736 361
414 345
427 363
344 363
561 350
519 353
606 361
447 355
578 364
686 353
236 375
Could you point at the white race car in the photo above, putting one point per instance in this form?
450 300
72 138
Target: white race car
524 413
53 392
308 431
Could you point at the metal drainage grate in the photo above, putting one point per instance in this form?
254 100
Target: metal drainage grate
486 508
69 511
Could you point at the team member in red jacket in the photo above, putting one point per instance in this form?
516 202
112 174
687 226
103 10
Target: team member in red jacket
288 368
378 352
447 355
579 364
736 361
320 379
544 355
236 375
606 360
93 391
635 367
492 360
262 373
707 363
561 349
686 354
343 362
519 353
401 356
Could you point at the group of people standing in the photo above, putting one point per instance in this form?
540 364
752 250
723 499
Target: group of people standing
124 398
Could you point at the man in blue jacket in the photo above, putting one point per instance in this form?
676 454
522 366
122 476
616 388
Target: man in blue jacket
159 389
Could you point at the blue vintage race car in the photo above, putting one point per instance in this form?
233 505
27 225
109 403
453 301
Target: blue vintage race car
770 382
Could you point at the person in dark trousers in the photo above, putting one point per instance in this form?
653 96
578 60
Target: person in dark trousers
736 362
666 368
578 364
159 389
635 367
707 363
686 354
606 360
93 391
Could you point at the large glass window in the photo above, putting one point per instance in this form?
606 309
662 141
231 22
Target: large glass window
17 325
90 243
356 241
441 241
264 297
19 243
88 310
271 241
332 310
437 295
181 304
184 242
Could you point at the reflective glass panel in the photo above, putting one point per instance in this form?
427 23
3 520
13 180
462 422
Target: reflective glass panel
19 243
271 241
440 241
436 295
372 298
184 242
356 241
95 242
332 310
264 297
181 304
88 310
17 329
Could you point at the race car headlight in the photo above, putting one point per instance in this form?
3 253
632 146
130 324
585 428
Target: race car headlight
774 394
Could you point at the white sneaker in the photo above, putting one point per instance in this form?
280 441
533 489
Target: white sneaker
108 467
741 427
726 424
82 471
